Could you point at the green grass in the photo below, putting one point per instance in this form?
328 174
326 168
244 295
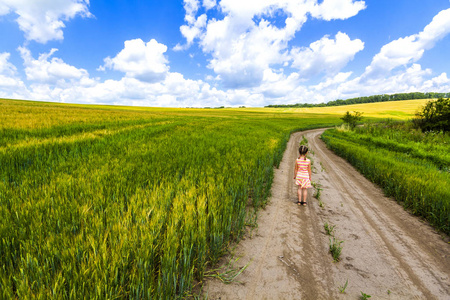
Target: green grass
335 249
411 166
131 202
111 202
343 287
329 229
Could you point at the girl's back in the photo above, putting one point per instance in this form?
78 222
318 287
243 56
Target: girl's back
303 164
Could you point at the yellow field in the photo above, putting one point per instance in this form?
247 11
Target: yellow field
392 109
34 114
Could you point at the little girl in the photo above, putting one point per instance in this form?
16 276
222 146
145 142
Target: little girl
302 175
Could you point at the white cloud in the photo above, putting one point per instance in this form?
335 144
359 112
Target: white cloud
4 9
276 88
326 55
277 85
53 79
437 29
410 49
140 60
173 91
209 4
332 82
46 70
43 20
341 86
6 68
411 80
11 86
8 82
242 50
337 9
192 31
246 42
439 83
191 8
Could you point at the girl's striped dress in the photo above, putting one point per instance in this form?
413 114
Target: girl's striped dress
302 178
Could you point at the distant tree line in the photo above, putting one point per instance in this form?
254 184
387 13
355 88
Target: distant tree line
370 99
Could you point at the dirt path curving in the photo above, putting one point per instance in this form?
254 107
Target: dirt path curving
387 253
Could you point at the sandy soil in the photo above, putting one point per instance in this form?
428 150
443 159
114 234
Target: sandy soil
387 253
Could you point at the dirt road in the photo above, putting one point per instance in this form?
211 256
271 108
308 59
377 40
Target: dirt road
387 253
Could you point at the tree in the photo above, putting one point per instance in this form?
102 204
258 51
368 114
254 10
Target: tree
352 119
434 116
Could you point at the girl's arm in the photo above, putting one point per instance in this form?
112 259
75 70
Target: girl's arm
296 169
309 171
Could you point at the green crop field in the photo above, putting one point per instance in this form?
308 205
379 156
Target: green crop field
124 202
411 166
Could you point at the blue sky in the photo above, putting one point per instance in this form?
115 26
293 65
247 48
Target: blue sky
197 53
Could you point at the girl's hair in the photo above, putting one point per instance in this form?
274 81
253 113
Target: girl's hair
303 150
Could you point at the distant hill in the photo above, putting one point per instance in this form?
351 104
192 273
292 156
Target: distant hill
370 99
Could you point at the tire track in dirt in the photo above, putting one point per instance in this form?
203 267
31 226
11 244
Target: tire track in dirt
387 253
407 246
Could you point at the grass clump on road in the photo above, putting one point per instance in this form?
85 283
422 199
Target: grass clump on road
329 229
335 249
343 287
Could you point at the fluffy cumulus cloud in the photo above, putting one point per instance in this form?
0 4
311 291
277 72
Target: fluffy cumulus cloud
411 80
326 55
43 20
246 42
337 9
242 49
173 91
50 78
192 31
140 60
395 69
276 85
240 58
6 68
251 53
439 83
191 8
381 76
10 83
410 49
194 25
208 4
47 69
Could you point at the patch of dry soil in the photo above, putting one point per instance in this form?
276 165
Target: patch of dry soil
387 253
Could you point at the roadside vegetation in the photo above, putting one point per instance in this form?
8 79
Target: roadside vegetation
411 165
351 120
434 116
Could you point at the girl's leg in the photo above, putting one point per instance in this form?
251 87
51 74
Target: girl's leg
305 195
299 194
